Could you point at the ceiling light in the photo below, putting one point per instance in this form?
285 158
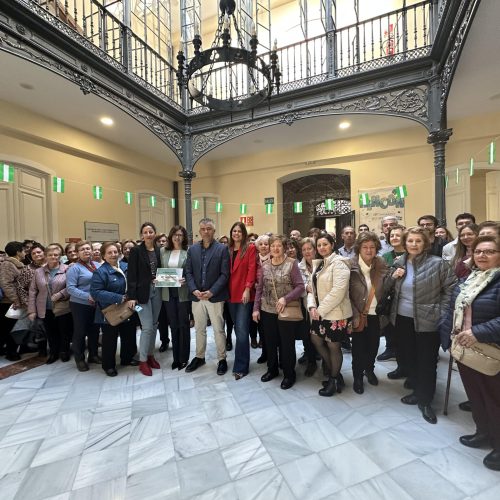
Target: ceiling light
344 125
106 120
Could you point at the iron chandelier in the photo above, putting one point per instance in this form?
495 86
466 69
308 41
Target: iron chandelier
227 78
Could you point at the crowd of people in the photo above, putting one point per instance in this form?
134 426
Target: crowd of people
416 286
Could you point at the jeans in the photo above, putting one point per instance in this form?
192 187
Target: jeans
149 321
240 313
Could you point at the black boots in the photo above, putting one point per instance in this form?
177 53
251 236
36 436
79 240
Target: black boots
330 388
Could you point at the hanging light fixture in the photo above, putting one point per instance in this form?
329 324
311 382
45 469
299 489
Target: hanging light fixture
228 78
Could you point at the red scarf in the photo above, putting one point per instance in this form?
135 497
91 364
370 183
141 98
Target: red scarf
88 265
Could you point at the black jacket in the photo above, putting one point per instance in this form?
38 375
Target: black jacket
139 273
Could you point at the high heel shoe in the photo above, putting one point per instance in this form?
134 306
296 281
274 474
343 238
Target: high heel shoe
153 363
145 369
330 388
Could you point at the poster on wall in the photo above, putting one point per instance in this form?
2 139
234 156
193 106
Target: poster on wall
382 202
102 231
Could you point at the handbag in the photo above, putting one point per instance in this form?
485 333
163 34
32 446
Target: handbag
60 307
482 357
117 313
363 318
18 313
292 311
37 335
384 306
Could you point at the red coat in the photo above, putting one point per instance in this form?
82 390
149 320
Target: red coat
243 274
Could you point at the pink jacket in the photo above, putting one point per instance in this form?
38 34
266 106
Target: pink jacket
37 302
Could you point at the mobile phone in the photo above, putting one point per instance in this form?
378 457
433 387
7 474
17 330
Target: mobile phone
138 308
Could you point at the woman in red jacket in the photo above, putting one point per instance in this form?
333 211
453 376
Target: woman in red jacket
241 294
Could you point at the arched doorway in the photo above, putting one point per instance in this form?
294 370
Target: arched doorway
311 192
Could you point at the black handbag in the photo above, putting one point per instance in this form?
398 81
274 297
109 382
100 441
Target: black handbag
384 305
37 334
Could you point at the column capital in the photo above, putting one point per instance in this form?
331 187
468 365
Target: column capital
187 174
439 136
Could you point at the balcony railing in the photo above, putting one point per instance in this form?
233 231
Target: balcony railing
391 38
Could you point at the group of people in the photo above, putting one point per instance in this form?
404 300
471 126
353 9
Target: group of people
416 285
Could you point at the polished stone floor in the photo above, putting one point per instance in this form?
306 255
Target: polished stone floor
70 435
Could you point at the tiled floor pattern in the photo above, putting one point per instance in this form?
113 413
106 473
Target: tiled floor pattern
80 436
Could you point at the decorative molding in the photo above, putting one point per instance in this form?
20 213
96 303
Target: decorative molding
453 57
409 103
89 85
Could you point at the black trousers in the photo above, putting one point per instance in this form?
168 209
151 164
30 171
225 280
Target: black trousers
178 315
163 323
109 342
279 335
254 328
483 392
229 322
305 334
419 352
58 331
6 325
365 346
84 326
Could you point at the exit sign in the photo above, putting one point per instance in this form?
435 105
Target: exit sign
269 201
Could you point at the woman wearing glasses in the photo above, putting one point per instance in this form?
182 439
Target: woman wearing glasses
176 300
474 316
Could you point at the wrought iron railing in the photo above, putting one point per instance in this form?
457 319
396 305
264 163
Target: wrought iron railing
384 40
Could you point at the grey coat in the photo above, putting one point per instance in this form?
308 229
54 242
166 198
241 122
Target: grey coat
433 284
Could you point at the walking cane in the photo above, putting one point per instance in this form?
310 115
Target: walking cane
448 383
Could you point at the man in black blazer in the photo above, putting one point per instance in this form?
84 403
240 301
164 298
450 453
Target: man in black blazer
207 276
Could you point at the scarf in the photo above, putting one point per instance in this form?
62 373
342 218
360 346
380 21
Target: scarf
469 290
90 266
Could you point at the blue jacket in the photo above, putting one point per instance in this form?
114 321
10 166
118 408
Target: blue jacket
215 273
107 287
485 315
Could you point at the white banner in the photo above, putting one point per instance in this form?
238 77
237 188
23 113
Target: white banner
382 203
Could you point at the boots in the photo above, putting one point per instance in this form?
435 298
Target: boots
152 362
330 388
145 369
340 382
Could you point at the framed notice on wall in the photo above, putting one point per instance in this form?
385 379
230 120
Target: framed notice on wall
382 202
102 231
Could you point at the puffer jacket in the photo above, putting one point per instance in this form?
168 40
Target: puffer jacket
10 270
433 283
485 314
37 302
358 291
332 288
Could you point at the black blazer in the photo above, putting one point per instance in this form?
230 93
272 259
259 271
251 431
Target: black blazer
139 273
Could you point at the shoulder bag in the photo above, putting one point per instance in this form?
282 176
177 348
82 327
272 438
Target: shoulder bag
292 311
117 313
482 357
363 317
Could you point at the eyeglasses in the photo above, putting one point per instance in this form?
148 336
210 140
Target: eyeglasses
488 252
178 235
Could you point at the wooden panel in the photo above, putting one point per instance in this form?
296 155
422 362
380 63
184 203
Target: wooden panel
33 217
30 181
493 196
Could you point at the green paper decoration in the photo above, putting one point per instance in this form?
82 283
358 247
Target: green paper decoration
129 198
297 207
172 202
152 201
7 173
97 192
218 207
492 153
401 192
364 200
269 208
196 204
57 185
243 208
471 167
329 204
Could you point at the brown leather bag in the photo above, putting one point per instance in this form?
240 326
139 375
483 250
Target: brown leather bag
292 311
363 318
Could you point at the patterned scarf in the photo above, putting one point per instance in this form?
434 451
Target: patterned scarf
469 290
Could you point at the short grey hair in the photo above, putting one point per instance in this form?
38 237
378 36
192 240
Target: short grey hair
388 217
261 238
207 220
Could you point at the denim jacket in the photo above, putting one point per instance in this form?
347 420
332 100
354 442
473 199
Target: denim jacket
108 286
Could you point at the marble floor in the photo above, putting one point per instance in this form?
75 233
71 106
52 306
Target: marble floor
70 435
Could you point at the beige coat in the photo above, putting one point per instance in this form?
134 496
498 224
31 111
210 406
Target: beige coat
332 288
